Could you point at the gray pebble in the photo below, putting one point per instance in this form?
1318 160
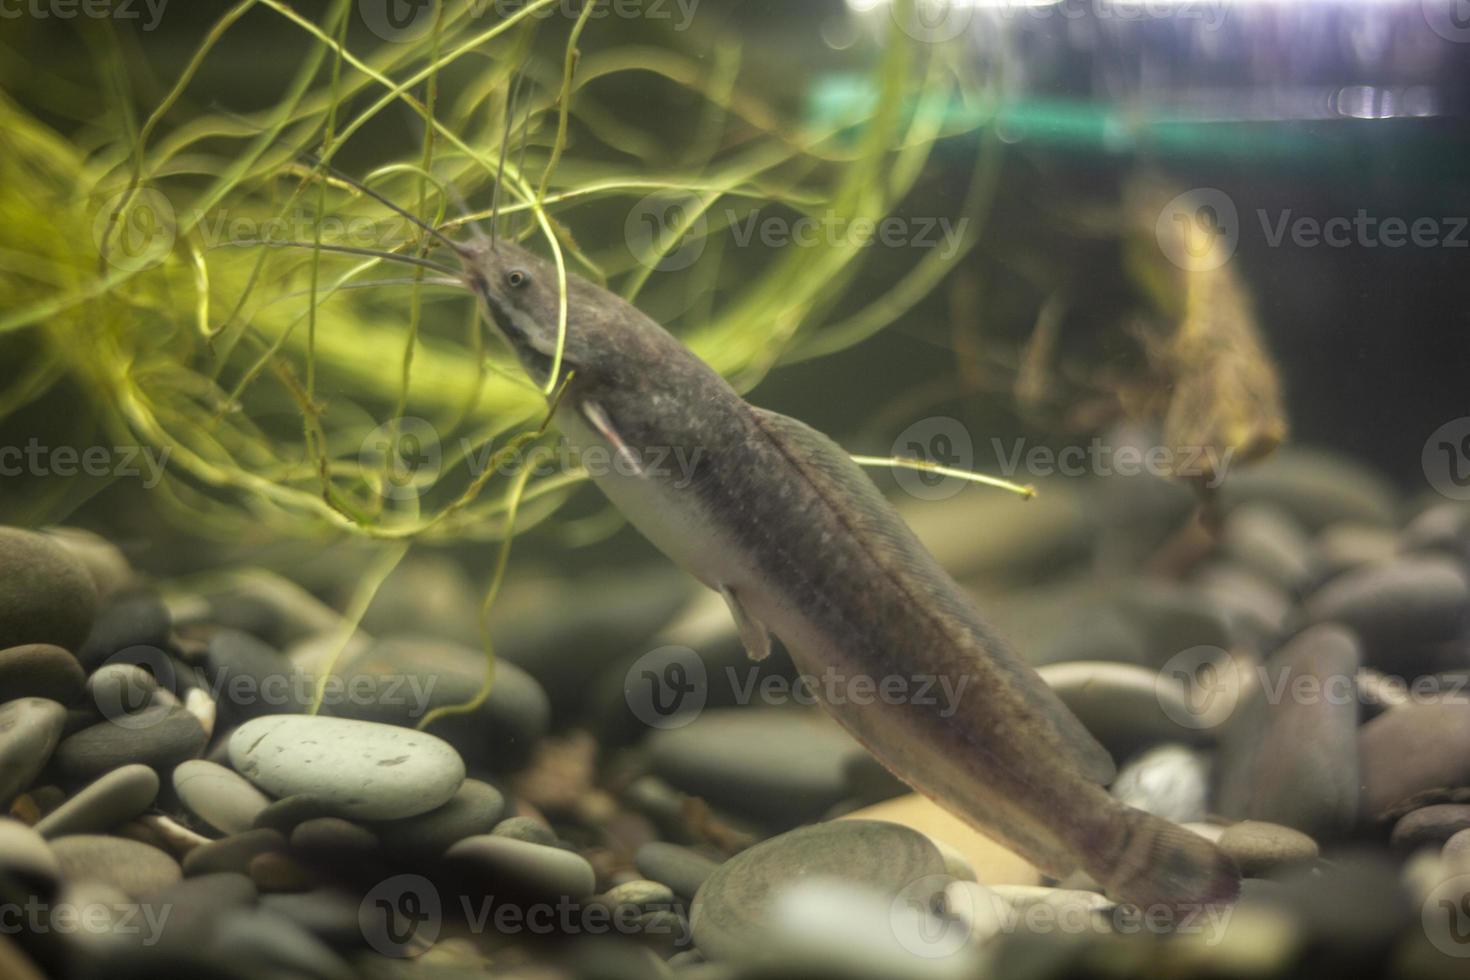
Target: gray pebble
1255 609
528 829
742 759
111 573
1344 547
1444 528
681 868
1172 618
41 670
736 907
1315 487
330 914
30 729
46 594
524 868
475 809
1127 708
1266 539
641 893
25 855
361 770
189 911
218 796
115 798
128 865
159 736
499 736
266 944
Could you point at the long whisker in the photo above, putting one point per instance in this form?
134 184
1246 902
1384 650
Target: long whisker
373 284
382 199
440 268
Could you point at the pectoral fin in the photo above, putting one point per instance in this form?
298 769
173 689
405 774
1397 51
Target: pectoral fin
753 634
597 417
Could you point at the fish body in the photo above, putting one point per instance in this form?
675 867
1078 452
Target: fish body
802 544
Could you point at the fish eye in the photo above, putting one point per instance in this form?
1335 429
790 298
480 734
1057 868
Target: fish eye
516 278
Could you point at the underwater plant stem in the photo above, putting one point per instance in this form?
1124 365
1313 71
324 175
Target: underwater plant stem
372 580
497 576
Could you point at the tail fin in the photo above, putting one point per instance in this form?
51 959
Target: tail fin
1163 864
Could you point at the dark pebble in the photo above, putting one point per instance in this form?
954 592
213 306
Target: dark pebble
285 813
253 679
46 594
160 737
1395 607
1411 749
332 838
139 619
1291 757
504 864
232 853
41 670
328 913
1316 488
1430 825
196 905
476 808
742 759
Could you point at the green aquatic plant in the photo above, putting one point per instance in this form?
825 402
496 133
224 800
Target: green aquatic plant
212 286
151 262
